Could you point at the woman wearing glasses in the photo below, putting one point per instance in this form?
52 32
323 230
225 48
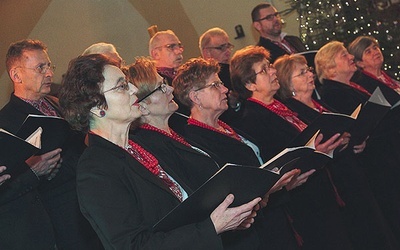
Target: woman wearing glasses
184 157
153 132
124 189
197 85
335 68
313 206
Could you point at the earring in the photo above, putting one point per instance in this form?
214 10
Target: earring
102 113
293 93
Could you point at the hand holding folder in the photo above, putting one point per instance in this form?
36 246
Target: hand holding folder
359 124
55 131
244 182
15 150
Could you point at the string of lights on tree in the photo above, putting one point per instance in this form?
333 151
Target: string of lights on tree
322 21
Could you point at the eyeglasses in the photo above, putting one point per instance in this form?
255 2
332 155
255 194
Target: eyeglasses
124 86
269 17
266 69
222 47
42 68
171 47
163 88
216 84
303 72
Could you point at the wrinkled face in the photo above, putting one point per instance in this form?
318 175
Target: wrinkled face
120 96
270 23
344 63
219 48
302 79
212 96
169 52
372 58
35 74
266 82
162 102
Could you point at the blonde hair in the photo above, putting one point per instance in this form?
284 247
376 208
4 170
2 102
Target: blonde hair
325 59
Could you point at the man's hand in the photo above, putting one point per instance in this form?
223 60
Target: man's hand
3 177
45 164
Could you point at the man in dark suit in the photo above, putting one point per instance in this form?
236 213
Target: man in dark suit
39 208
267 21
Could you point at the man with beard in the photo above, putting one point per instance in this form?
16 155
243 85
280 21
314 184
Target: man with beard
267 21
39 209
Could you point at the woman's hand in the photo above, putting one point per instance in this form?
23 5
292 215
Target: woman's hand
328 146
3 177
282 182
360 148
241 217
299 180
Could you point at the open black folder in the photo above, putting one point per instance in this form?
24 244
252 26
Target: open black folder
15 150
359 124
304 158
55 130
244 182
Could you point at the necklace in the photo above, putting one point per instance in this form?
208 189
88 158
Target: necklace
172 133
359 88
319 107
227 130
385 79
151 163
144 157
284 112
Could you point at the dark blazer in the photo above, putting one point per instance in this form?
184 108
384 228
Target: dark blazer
390 124
343 98
352 184
262 124
195 168
123 200
277 51
193 165
275 231
58 196
382 152
315 212
222 148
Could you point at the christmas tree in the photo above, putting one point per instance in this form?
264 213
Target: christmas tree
344 20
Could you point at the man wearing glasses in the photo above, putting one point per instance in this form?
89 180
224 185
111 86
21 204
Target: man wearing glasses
267 21
166 50
215 44
39 208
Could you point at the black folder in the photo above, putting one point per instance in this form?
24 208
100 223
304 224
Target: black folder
327 124
244 182
55 131
304 158
370 115
13 153
360 124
